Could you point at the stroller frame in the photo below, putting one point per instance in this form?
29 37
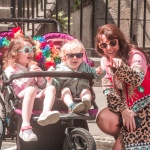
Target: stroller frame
68 119
73 128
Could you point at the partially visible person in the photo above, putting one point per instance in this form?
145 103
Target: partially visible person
126 87
72 60
19 59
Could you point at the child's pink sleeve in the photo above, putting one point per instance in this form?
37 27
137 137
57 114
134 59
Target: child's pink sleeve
18 84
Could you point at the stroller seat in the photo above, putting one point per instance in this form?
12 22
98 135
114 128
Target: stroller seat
69 124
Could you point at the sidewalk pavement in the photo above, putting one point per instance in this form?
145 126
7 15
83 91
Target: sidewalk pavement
103 141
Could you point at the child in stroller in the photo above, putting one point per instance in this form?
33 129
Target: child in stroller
71 55
18 59
70 131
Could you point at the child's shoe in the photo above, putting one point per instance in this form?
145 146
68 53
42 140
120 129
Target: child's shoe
76 108
27 134
87 105
48 117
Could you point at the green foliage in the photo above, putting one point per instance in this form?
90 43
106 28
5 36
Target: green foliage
63 20
77 4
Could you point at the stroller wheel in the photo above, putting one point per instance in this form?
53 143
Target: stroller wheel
81 139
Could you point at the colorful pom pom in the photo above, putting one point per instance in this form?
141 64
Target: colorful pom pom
4 42
48 55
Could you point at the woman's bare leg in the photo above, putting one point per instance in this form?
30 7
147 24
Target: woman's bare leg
118 144
108 122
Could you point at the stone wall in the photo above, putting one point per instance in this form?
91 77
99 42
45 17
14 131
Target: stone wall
4 8
138 15
99 19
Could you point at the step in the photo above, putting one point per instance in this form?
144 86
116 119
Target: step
96 61
5 12
5 3
91 52
4 27
104 143
96 64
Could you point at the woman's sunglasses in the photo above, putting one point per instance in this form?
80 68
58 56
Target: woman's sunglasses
111 43
71 55
26 49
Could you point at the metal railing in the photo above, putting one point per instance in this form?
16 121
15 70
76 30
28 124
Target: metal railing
31 9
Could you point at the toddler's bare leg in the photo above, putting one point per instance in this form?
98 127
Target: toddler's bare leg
48 116
86 99
49 99
85 94
66 96
27 106
68 100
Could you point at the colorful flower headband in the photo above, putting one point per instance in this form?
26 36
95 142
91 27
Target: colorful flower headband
7 35
47 53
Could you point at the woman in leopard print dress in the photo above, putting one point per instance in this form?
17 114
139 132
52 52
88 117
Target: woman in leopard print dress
126 86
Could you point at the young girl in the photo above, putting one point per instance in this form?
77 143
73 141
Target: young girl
18 60
72 60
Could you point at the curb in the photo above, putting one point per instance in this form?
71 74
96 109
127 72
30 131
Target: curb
104 143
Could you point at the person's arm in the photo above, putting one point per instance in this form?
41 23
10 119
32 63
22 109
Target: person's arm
98 72
115 102
133 74
40 81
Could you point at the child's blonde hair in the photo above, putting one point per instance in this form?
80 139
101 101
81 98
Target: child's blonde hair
71 46
10 56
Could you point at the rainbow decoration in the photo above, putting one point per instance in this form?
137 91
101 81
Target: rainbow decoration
4 42
7 35
47 53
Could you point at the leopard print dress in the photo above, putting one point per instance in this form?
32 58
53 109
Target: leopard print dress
129 87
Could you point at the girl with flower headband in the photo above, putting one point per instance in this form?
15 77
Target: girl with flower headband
18 59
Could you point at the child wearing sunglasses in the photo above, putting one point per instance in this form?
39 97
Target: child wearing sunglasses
72 54
126 86
18 59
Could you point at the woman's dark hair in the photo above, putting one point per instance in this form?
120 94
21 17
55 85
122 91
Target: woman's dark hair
111 31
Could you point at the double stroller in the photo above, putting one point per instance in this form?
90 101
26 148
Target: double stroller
69 133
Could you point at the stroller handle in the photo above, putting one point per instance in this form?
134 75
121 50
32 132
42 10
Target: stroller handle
67 74
33 20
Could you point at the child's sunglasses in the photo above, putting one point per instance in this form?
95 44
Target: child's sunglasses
71 55
26 49
111 43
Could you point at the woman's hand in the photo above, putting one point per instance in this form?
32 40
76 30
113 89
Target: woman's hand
99 70
128 119
114 62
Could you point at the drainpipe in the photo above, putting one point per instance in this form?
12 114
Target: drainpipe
93 23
